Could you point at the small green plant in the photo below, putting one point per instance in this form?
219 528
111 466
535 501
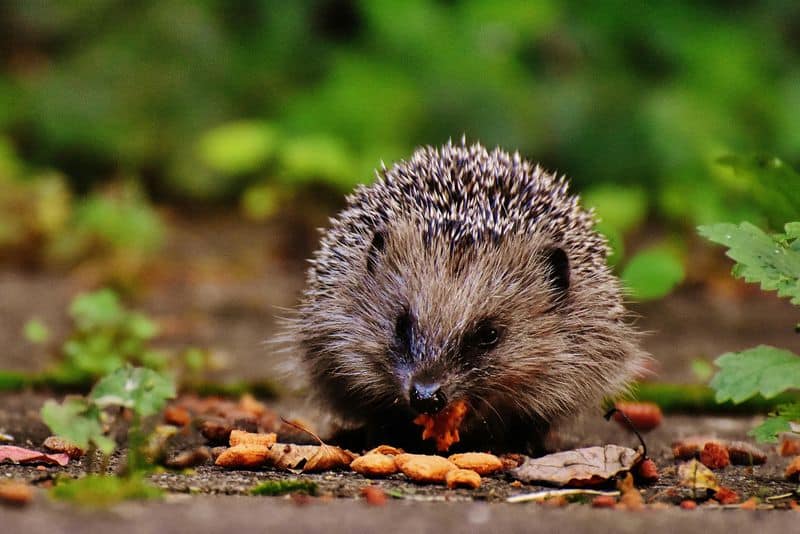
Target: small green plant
774 262
105 337
85 421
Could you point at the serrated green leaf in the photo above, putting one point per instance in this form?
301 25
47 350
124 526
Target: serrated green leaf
652 273
771 261
777 423
138 388
761 370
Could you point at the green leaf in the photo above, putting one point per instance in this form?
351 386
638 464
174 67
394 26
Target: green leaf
772 261
762 370
77 421
36 331
238 147
777 423
652 273
142 390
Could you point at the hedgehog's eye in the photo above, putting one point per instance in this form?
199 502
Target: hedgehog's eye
485 336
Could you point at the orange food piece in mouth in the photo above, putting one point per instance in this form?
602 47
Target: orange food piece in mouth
443 426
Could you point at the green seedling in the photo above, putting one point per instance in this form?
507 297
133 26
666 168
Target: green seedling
773 261
83 421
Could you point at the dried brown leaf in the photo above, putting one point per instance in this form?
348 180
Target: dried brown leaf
21 455
695 475
580 467
327 458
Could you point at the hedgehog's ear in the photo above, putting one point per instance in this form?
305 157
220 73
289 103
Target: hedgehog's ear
558 262
376 248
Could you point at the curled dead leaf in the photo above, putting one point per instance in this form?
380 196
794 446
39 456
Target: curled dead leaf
580 467
289 456
22 455
327 458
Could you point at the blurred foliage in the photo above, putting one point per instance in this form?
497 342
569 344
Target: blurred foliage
610 92
114 231
107 336
652 273
215 101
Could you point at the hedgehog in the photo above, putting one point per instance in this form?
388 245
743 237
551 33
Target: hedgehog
470 275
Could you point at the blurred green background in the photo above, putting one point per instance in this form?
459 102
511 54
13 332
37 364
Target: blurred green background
249 104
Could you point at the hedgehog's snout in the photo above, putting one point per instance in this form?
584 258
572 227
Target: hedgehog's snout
426 397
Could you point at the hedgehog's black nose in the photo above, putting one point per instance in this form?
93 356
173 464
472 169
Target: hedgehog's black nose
427 398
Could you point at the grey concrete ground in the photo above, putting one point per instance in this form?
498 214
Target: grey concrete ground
238 515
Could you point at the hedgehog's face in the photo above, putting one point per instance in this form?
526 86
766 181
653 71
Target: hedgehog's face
507 326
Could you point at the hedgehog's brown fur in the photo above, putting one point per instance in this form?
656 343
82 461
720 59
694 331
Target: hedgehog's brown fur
453 237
